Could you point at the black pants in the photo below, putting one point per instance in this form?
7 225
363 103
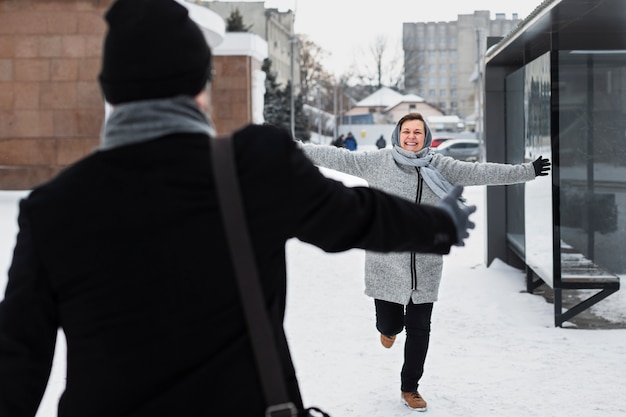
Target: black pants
390 319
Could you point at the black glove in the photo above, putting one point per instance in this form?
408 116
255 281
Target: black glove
459 213
542 166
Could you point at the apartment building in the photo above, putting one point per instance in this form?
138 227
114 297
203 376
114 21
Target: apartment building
441 59
274 26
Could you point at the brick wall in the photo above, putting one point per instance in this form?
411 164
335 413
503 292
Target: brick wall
231 92
51 108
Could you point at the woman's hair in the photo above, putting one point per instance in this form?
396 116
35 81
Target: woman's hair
411 116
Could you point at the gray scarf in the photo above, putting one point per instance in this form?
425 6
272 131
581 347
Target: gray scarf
422 158
141 121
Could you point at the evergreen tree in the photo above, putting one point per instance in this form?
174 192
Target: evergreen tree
274 106
301 120
277 105
234 23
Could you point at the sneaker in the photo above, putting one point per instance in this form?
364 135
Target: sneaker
387 341
414 401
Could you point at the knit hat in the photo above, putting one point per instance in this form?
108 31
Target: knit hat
152 50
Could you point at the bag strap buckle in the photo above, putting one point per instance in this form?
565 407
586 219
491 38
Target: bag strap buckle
282 410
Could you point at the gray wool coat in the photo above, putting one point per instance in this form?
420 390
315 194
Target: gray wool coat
400 277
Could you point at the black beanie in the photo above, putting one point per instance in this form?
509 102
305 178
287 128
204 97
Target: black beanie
152 50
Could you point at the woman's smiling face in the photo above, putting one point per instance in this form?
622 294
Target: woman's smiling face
412 135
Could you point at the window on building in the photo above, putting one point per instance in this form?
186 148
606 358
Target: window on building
443 80
453 92
452 80
443 92
432 93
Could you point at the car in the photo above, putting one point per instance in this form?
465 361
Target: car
462 149
438 140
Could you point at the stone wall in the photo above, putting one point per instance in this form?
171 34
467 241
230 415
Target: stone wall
51 108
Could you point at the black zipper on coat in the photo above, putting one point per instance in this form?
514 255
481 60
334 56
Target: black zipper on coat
418 198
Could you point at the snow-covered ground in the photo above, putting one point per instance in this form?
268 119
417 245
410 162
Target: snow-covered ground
494 348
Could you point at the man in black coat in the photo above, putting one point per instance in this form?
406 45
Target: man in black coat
126 253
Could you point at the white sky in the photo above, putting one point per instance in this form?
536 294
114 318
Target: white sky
346 28
494 350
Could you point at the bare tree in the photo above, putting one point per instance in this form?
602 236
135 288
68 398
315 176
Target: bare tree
377 49
414 66
311 70
382 65
317 84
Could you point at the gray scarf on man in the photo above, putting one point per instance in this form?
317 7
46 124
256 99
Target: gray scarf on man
141 121
422 158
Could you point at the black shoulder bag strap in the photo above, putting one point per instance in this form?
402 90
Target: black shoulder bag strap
244 262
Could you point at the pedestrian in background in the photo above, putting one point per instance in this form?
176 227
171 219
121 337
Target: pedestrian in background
339 141
381 142
405 285
350 142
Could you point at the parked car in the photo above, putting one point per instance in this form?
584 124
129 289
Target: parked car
438 141
463 149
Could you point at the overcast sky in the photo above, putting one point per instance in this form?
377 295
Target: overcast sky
346 29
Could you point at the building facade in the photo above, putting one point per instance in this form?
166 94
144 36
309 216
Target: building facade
51 106
272 25
441 59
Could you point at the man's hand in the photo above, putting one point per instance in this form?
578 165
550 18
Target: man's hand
542 166
458 212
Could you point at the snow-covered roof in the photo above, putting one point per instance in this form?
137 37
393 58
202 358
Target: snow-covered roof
444 119
384 97
407 98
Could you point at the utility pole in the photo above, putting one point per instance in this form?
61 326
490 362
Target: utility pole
292 42
292 92
336 119
319 112
479 95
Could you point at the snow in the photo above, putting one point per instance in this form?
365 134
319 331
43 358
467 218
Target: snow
494 349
